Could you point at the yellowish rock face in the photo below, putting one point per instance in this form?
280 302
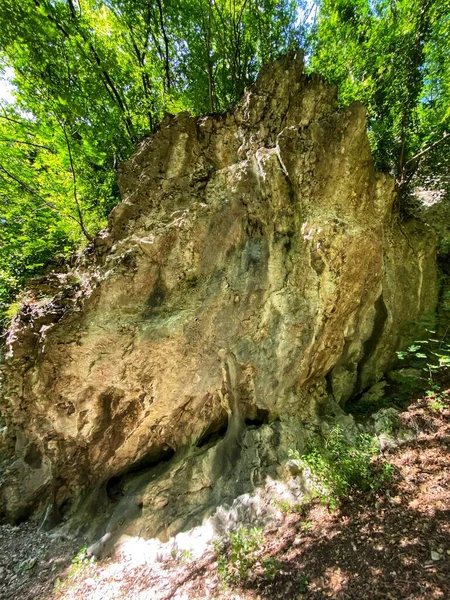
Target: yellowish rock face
253 271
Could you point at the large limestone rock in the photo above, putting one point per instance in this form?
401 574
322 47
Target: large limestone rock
254 274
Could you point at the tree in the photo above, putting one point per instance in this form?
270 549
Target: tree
92 77
393 56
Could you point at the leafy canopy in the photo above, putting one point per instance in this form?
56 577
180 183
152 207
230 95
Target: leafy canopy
394 57
92 77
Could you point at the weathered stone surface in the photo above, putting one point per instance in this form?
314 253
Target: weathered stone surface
254 270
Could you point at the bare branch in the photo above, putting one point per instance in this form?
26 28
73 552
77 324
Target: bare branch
22 184
166 45
425 150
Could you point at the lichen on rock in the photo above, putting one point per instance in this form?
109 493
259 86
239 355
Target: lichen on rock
254 272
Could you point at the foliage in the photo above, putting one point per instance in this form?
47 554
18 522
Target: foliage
39 215
437 398
392 56
301 583
338 466
431 354
187 556
91 78
271 567
306 525
432 357
287 507
79 562
26 566
239 556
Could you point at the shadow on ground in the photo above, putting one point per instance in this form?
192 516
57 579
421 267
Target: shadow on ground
395 545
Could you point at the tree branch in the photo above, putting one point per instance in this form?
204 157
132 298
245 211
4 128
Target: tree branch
425 150
33 192
105 77
87 235
166 45
22 184
27 144
15 121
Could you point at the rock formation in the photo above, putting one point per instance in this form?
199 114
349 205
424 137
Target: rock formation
254 275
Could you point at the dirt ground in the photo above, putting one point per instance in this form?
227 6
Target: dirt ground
392 545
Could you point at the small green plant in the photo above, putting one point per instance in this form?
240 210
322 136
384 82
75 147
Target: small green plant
306 526
430 355
437 401
74 279
301 583
26 566
283 505
387 472
271 567
239 555
187 555
12 311
436 405
437 398
338 466
286 507
58 586
79 562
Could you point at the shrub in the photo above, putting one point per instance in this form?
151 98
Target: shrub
432 356
338 466
238 557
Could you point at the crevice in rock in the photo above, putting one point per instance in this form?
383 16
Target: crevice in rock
115 485
329 383
370 345
114 488
213 434
33 456
151 460
155 299
261 417
65 507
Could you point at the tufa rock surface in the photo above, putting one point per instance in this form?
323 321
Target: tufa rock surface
254 277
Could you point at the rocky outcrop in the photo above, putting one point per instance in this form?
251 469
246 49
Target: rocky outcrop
254 274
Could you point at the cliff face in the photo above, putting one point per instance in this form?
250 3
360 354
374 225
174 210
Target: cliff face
253 274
